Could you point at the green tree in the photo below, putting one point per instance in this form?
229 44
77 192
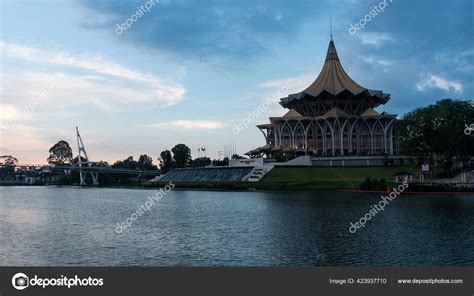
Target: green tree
128 163
224 162
8 160
101 164
7 166
182 155
75 160
436 132
60 153
145 162
166 161
201 162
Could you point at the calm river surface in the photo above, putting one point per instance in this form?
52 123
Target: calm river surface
52 226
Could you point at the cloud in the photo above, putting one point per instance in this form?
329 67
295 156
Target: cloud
372 60
295 83
436 81
377 63
108 80
373 38
95 63
30 144
188 124
214 28
462 61
9 112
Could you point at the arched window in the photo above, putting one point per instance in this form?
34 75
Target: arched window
328 138
286 136
319 138
365 139
299 138
354 138
315 139
378 138
310 138
337 138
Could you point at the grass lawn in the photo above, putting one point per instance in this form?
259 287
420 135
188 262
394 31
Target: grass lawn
326 178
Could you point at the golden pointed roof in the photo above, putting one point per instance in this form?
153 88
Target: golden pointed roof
333 78
335 111
370 112
292 114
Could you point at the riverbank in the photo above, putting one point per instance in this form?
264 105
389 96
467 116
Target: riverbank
413 193
326 178
295 179
291 179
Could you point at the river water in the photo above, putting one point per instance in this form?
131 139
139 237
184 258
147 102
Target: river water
67 226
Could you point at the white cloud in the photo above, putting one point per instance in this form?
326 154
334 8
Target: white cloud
296 83
436 81
380 63
8 112
462 61
188 124
373 38
373 60
29 144
106 83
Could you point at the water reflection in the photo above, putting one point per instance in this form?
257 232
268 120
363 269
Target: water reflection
73 226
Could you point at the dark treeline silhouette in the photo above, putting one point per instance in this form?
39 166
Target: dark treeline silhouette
437 134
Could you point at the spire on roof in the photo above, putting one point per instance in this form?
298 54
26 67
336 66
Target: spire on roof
330 26
332 53
333 80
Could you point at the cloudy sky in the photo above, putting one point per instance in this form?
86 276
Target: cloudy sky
187 71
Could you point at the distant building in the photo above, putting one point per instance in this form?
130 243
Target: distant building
334 116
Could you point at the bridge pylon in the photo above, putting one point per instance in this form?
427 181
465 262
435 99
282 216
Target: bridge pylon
82 151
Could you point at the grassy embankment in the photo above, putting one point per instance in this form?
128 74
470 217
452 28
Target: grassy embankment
325 178
303 179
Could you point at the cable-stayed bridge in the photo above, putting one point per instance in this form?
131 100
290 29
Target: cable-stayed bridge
85 167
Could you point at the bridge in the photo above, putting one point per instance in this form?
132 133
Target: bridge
85 167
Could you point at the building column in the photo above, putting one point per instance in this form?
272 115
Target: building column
391 139
341 147
323 140
273 130
371 142
358 136
333 141
280 134
292 138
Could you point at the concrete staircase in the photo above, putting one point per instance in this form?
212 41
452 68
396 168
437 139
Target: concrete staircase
257 173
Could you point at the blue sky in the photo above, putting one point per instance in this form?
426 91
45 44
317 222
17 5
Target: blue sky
186 71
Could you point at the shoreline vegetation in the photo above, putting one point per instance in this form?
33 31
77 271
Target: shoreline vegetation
293 179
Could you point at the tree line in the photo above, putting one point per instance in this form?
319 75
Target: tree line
60 154
432 134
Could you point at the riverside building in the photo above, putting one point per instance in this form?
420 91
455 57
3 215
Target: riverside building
333 119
